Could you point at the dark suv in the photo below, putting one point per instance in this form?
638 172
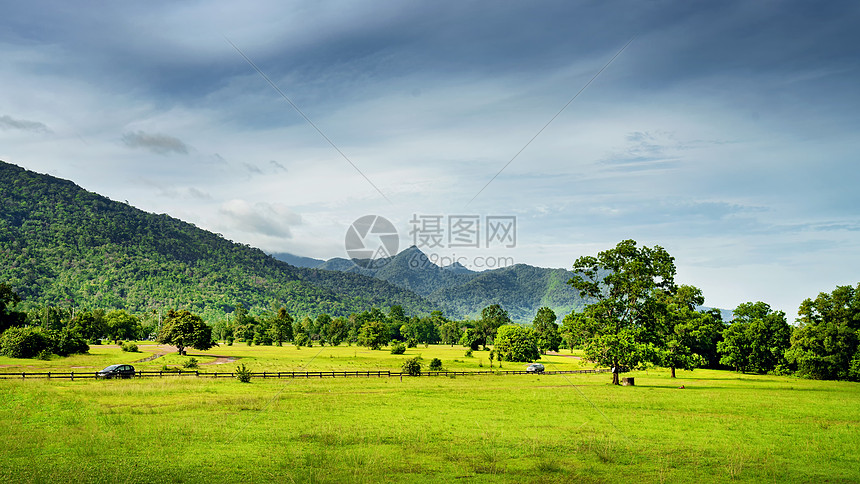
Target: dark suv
116 371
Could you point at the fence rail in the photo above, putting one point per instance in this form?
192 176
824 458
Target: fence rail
284 374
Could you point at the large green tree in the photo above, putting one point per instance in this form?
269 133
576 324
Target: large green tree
516 343
185 329
756 339
828 339
492 317
122 325
681 326
623 284
544 325
373 334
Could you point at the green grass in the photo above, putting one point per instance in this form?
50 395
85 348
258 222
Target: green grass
722 427
278 358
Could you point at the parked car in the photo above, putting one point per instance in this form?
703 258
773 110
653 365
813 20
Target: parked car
535 368
117 371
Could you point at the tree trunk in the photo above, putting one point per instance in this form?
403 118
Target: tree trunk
673 372
615 372
615 379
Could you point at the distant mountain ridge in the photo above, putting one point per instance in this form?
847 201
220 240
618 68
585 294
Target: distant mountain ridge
521 289
297 260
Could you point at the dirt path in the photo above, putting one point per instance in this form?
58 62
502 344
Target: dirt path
555 353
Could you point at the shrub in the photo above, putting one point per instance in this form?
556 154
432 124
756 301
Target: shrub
469 353
24 342
44 355
412 366
130 347
243 374
435 364
191 363
411 343
398 349
68 341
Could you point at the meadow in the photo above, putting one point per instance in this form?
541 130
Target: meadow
720 427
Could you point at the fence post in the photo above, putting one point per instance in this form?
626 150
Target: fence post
73 376
197 373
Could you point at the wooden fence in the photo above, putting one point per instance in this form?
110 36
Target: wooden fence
284 374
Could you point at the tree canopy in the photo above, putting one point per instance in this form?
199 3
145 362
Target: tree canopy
623 283
185 329
756 339
516 343
827 343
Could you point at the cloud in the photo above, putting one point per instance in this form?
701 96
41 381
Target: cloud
272 219
252 168
278 166
8 122
161 144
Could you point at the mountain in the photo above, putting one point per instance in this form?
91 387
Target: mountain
62 245
520 289
297 260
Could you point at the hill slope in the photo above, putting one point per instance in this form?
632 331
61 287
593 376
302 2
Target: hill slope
63 245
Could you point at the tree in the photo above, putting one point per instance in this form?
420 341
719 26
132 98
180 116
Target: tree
373 335
336 331
828 339
516 343
450 332
492 317
471 339
678 315
756 339
544 325
183 329
121 325
617 328
89 324
8 316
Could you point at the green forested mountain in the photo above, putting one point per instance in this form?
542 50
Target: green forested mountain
520 289
63 245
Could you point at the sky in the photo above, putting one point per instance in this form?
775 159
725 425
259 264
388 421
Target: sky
725 132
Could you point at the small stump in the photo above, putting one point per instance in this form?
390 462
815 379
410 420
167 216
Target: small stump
627 381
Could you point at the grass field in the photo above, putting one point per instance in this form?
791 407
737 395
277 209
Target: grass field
537 428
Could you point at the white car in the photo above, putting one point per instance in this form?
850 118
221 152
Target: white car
535 368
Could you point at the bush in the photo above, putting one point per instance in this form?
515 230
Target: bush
44 355
469 353
398 349
412 366
67 342
435 364
191 363
411 343
130 347
24 342
243 374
